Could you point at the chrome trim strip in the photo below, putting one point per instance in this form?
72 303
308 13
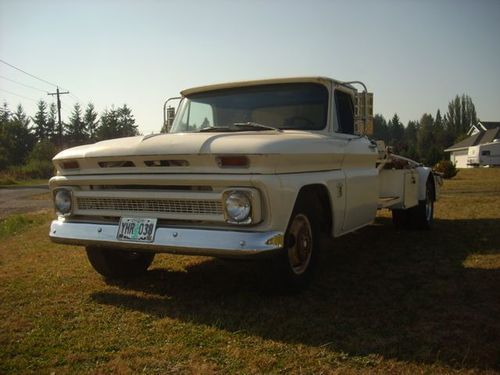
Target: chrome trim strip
172 240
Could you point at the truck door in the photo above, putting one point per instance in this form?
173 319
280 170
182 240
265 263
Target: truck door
359 166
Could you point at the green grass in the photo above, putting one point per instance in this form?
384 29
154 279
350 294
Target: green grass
9 182
384 301
16 224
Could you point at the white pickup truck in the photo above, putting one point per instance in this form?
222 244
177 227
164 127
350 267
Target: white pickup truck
247 169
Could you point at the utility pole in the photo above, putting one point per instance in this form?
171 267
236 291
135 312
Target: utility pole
59 111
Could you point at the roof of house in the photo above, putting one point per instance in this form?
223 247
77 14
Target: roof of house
478 139
490 124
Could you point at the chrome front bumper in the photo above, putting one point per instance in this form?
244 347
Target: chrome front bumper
223 243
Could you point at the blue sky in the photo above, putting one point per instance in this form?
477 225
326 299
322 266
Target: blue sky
414 55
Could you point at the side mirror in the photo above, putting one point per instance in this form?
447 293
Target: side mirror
168 115
363 113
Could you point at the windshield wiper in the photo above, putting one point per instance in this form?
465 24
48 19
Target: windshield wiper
216 129
251 124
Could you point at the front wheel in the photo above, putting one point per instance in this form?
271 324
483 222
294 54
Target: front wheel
113 263
302 246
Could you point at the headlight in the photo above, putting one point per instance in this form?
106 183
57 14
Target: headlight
238 207
62 201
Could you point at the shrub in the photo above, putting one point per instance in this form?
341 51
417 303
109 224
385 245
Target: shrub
43 150
35 169
447 168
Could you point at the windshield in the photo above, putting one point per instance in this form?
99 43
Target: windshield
301 106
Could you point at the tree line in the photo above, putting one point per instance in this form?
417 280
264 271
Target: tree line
25 139
426 139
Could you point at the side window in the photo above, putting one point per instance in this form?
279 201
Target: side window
345 112
486 153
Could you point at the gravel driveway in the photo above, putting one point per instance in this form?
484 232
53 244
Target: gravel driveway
22 199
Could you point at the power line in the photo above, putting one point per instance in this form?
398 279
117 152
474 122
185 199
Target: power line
21 96
25 72
75 97
22 84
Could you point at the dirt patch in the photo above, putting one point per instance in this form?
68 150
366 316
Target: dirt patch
23 200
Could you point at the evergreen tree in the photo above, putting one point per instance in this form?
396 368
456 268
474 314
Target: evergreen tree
396 133
428 148
410 140
52 123
40 121
4 113
21 117
90 121
116 123
126 122
16 141
108 127
380 128
75 129
4 121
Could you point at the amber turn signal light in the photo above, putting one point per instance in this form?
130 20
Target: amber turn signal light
233 161
73 164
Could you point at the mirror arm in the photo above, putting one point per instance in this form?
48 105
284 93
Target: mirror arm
165 108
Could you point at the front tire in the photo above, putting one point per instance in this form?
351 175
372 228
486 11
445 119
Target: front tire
299 258
113 263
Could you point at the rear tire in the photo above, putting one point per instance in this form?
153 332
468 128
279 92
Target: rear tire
113 263
422 216
400 219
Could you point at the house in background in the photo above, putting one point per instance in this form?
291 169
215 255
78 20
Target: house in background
482 126
481 148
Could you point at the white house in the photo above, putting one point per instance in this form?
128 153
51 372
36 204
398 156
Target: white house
481 133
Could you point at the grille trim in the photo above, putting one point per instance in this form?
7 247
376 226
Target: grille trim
167 206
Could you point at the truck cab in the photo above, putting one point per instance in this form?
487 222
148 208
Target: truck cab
246 169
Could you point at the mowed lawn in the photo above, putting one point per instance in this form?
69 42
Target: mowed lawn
384 301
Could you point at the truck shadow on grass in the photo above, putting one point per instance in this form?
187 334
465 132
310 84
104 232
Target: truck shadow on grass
411 296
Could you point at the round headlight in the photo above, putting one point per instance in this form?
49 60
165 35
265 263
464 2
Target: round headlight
62 201
238 207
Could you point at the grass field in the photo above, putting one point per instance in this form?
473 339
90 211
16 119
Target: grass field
383 302
7 182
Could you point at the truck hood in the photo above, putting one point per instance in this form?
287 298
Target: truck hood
299 150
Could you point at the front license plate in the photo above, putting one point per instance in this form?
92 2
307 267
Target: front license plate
136 229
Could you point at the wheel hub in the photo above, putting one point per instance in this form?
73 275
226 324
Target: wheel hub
300 250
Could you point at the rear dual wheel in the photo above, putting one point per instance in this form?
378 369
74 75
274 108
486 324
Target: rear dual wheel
418 217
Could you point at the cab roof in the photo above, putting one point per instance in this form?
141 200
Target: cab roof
230 85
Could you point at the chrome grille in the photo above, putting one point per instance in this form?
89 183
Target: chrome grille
180 206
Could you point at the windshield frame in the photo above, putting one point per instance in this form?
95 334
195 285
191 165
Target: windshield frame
323 91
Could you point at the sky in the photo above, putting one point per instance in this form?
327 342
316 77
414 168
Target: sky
414 55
